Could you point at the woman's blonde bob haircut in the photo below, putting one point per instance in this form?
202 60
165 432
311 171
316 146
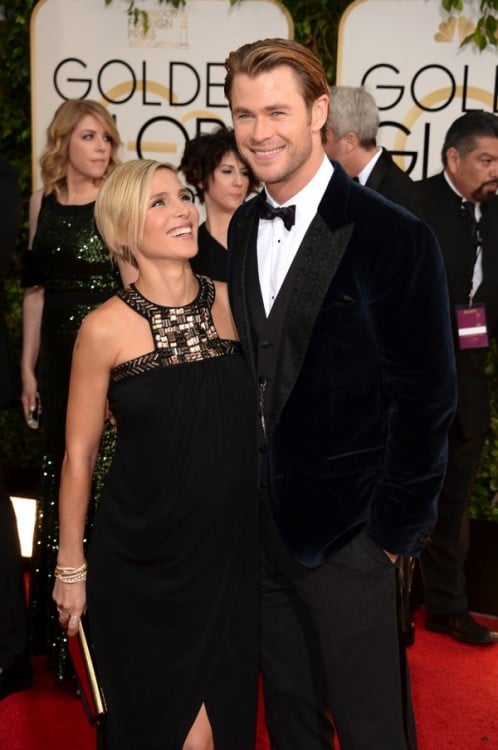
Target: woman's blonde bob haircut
122 204
55 157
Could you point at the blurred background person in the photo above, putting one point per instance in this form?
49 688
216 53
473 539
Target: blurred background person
352 127
15 667
66 273
461 206
222 181
172 560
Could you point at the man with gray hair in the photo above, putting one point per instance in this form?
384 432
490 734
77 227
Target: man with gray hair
352 127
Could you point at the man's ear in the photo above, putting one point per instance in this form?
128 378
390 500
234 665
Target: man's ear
452 160
319 112
351 141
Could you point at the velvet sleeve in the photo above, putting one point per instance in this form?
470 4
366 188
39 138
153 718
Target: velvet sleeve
410 319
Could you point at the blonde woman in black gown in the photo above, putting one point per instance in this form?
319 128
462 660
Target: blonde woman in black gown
172 562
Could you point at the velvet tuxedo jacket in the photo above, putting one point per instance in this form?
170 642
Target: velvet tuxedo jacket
364 389
441 209
391 181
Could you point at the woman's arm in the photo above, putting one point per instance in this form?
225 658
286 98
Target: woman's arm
92 361
32 311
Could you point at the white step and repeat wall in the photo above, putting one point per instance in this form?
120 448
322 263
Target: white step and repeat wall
163 87
166 86
408 54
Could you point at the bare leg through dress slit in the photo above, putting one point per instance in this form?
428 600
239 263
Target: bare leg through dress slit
200 736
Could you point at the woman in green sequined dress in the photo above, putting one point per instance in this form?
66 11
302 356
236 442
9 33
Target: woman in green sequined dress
67 272
171 589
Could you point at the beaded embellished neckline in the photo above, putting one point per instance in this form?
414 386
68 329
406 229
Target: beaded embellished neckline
194 301
181 334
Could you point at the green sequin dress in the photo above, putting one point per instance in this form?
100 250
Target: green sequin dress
70 260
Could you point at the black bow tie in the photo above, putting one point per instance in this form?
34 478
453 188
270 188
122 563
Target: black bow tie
286 213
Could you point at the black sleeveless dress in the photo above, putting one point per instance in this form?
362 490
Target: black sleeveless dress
172 565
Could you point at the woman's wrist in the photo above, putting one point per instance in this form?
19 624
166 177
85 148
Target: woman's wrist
70 573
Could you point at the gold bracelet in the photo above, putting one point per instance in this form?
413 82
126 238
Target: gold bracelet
71 575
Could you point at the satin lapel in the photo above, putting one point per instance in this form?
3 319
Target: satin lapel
318 259
242 242
379 171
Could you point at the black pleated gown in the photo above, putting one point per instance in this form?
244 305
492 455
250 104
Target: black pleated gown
172 564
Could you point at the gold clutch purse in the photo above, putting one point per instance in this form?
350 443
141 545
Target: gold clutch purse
91 692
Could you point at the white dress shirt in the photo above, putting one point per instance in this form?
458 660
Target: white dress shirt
367 169
277 246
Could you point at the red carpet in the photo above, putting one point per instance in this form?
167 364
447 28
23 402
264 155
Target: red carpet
455 692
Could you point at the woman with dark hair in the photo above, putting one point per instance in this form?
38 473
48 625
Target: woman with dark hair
66 273
222 180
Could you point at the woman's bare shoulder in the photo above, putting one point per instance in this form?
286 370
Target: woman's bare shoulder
106 323
222 312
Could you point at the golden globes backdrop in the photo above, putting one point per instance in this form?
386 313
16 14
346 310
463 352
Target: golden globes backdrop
407 53
163 87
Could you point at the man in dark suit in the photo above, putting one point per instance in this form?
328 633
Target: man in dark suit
461 206
15 671
352 127
341 306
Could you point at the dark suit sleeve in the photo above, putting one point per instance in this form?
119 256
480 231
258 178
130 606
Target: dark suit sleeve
10 219
10 214
409 314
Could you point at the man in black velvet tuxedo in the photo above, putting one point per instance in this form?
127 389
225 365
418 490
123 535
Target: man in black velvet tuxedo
341 306
15 669
461 205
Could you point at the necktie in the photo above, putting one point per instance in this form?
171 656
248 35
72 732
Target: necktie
468 209
286 213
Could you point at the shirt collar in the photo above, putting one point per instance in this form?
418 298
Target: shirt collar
367 169
312 192
452 186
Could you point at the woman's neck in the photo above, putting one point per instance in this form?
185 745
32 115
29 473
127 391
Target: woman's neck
78 194
169 286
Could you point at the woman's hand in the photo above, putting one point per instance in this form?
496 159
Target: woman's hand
71 603
30 400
